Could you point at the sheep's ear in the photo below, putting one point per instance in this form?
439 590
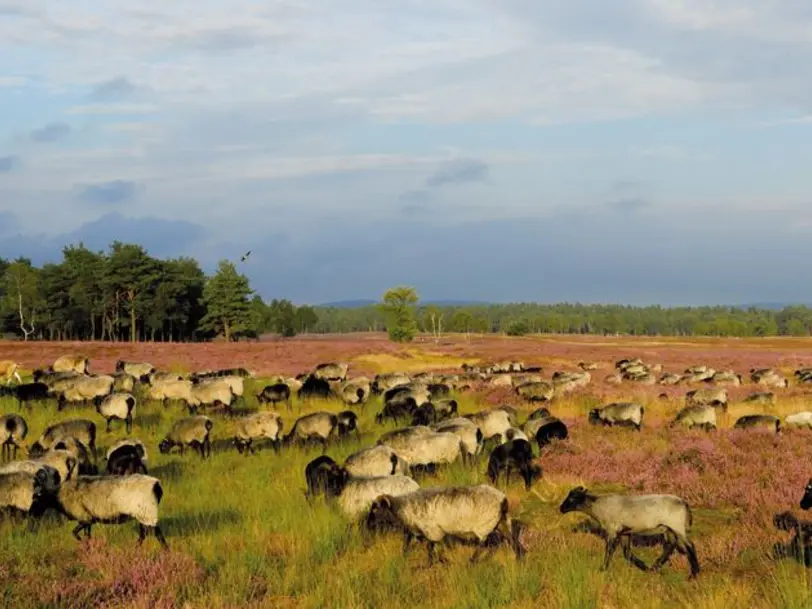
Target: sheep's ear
578 489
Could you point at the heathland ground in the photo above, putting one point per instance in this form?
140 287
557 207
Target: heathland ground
241 533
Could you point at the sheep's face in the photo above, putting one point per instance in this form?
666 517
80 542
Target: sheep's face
165 446
594 416
381 516
36 449
576 500
806 500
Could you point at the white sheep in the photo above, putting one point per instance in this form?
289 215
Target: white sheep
621 516
62 461
696 416
378 460
799 419
190 431
478 513
21 492
111 500
13 431
263 424
430 449
119 406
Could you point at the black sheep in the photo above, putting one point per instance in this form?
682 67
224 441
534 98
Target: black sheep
514 454
273 394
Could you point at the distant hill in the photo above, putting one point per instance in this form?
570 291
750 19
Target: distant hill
773 306
366 302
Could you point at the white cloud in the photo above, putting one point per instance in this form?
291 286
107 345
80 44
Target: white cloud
101 109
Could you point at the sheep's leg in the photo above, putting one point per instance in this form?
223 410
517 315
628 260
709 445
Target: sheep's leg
108 425
161 539
686 547
408 537
129 422
611 546
626 544
79 528
207 446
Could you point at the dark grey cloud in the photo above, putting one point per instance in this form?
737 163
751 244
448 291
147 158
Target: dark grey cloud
50 132
161 237
629 205
9 163
113 89
108 193
572 255
459 171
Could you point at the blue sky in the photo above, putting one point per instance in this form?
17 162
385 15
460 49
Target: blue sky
635 151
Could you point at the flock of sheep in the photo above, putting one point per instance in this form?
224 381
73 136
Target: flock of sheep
377 486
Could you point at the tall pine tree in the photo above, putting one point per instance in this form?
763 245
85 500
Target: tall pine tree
227 299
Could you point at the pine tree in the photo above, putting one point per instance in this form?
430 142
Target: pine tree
226 296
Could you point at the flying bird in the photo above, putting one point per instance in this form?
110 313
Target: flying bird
245 256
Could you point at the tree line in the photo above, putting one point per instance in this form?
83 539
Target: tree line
124 294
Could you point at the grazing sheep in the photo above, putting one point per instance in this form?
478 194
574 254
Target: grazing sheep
764 398
758 420
10 369
799 419
27 392
62 461
256 426
416 391
140 370
274 394
477 513
670 379
71 363
726 377
621 516
354 494
332 371
384 382
401 437
235 383
126 460
81 429
216 393
193 431
541 391
316 426
545 430
424 415
618 413
119 406
241 372
516 454
111 500
21 492
493 422
445 409
469 434
696 416
76 449
84 389
142 450
426 451
378 460
13 430
613 379
162 377
123 382
707 397
806 500
167 390
354 394
315 388
768 378
400 407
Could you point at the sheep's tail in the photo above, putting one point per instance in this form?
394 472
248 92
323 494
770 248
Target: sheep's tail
157 491
690 515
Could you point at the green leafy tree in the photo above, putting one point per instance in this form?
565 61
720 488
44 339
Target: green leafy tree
21 289
306 319
226 297
399 304
283 317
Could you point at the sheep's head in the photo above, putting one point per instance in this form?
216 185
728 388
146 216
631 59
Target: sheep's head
594 416
806 500
165 446
577 500
541 413
381 516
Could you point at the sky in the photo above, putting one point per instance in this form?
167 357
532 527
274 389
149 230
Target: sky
614 151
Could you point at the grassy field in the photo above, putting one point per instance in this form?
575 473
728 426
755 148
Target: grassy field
241 533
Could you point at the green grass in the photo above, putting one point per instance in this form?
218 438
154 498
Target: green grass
241 533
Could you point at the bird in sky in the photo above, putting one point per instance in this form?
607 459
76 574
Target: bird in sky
245 256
